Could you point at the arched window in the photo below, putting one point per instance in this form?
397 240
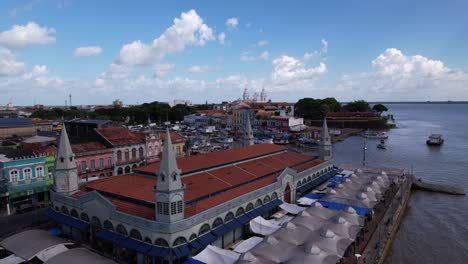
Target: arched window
133 153
148 240
140 152
27 173
39 171
96 222
249 207
119 171
14 176
127 169
303 181
298 184
127 154
204 229
74 213
64 210
161 242
308 179
266 199
239 211
121 230
179 241
217 222
135 234
228 217
108 225
84 217
134 167
119 155
192 237
258 203
274 196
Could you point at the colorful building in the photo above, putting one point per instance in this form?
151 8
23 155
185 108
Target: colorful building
94 160
24 179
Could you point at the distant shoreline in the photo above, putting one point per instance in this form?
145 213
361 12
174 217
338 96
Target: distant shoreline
427 102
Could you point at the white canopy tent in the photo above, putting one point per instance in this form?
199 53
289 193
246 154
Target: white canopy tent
248 244
316 256
292 208
263 227
12 259
306 201
215 255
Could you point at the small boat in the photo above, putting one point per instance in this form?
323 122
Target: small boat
263 140
382 144
435 140
374 135
281 142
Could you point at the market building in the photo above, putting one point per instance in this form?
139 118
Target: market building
169 210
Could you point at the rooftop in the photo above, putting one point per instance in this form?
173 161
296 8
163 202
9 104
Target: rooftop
119 136
88 146
15 122
234 173
201 162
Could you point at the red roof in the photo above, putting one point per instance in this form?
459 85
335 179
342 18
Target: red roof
88 146
134 209
175 137
119 136
199 162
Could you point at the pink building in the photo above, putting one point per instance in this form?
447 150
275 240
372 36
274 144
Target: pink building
153 145
94 160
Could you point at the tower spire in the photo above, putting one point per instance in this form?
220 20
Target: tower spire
248 133
325 147
65 171
168 168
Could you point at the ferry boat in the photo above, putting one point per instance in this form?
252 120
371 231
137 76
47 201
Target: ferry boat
374 135
435 140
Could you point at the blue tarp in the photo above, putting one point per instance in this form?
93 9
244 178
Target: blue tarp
243 219
233 224
55 231
207 239
181 251
193 261
220 230
338 179
315 196
67 220
316 182
339 206
331 184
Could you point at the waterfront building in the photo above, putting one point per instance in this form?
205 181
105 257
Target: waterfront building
128 148
172 209
24 178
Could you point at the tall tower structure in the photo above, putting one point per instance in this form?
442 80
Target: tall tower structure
65 171
248 138
325 146
70 101
245 95
169 189
263 95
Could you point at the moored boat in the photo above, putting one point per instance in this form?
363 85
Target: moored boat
435 140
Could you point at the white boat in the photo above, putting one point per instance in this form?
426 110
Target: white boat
382 144
281 142
263 140
374 135
435 140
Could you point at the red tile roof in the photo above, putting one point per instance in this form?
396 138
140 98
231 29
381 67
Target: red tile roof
175 137
199 162
88 146
119 136
208 188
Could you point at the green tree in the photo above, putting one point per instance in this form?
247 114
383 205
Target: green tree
358 106
379 108
310 108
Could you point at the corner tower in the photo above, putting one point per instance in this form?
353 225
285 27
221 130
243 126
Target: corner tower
169 189
65 171
325 147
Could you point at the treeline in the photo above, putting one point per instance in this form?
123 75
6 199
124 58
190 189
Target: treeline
157 112
313 109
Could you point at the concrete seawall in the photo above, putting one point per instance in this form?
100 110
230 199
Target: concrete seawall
441 188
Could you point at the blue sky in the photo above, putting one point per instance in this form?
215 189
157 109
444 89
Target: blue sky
373 50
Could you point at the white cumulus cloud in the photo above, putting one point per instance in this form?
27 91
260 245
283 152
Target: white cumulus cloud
286 68
396 75
20 36
247 56
161 70
221 37
232 22
8 64
186 30
198 69
262 43
87 51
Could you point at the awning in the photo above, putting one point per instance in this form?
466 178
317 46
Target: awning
220 230
337 179
181 251
206 239
216 255
126 242
292 208
233 224
248 244
158 252
67 220
263 227
306 201
315 196
340 206
12 259
243 219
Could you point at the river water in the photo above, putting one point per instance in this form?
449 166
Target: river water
435 227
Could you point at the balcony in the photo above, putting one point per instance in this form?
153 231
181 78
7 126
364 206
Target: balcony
130 161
